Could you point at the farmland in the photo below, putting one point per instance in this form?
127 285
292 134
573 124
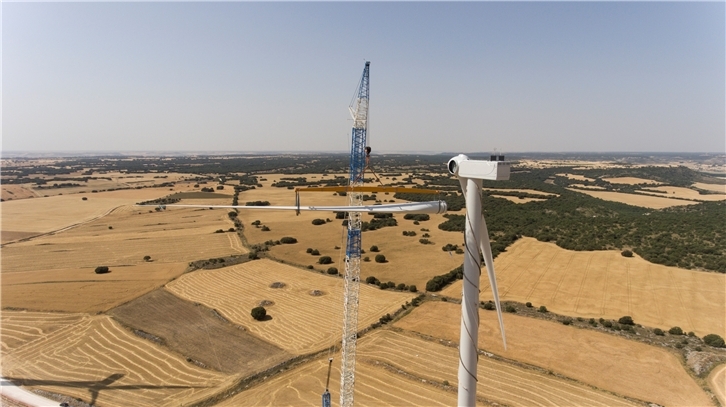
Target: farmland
234 291
624 367
162 328
606 284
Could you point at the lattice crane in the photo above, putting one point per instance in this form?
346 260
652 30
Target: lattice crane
359 111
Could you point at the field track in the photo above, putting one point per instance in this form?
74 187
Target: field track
597 284
97 359
608 362
300 322
717 382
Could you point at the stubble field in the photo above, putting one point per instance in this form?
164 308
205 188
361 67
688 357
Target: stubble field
642 200
605 361
605 284
301 320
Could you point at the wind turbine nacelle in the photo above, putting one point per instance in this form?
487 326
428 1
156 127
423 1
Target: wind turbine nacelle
463 167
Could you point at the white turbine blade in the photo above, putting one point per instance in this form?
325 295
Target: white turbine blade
411 207
486 249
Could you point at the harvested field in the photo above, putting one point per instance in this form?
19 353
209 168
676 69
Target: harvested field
682 193
605 284
645 201
527 191
100 362
300 322
518 200
42 215
576 177
82 290
14 192
125 237
608 362
197 332
630 181
717 382
711 187
20 327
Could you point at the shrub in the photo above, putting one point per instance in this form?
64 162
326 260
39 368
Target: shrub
265 229
84 198
310 267
449 247
489 306
691 334
528 305
101 269
676 330
417 216
308 250
259 313
374 249
256 223
626 253
542 308
318 221
372 280
607 324
626 320
424 241
332 270
315 252
380 258
510 308
366 259
325 260
658 332
412 288
288 240
252 255
401 286
147 258
230 230
232 214
567 321
713 340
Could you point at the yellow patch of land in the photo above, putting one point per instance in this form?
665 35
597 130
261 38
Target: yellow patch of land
711 187
645 201
234 291
19 327
81 289
717 382
98 361
518 200
402 369
42 215
605 284
608 362
630 180
683 193
576 177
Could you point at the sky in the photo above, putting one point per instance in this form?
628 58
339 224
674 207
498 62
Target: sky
444 76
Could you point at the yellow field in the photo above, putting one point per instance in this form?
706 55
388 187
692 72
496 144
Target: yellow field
576 177
684 193
518 200
300 322
528 191
646 201
630 180
608 362
35 216
399 369
711 187
96 360
19 327
605 284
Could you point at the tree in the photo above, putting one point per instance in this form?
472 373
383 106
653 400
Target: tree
147 258
288 240
259 313
332 270
714 340
102 269
676 330
232 214
374 249
325 260
380 258
372 280
412 288
318 222
542 308
626 320
658 332
626 253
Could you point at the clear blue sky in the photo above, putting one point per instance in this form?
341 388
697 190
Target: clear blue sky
456 77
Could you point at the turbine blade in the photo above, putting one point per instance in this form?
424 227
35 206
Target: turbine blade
411 207
486 249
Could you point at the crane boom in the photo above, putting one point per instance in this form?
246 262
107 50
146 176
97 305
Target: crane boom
352 252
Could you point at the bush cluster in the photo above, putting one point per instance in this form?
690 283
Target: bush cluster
439 282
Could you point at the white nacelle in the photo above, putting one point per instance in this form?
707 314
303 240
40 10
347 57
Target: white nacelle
463 167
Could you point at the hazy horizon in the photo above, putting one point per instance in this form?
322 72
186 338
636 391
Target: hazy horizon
250 77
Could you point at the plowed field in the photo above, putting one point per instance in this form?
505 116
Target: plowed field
99 362
605 284
614 364
300 322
